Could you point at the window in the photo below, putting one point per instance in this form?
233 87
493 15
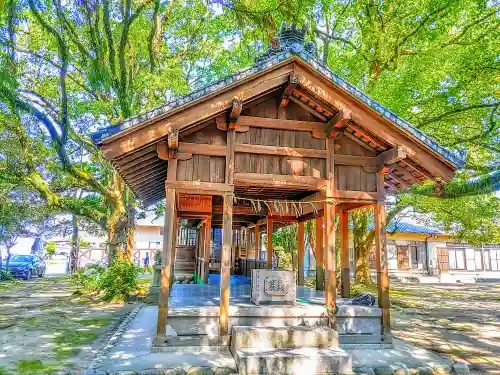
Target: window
154 245
456 259
494 259
414 256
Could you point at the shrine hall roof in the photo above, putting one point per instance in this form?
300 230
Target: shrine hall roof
290 42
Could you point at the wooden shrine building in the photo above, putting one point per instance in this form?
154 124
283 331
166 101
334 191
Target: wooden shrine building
249 151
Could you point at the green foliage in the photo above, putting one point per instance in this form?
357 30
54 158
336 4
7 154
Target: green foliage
115 282
286 246
35 367
50 248
5 275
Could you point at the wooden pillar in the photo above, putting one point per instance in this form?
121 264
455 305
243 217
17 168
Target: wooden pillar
256 251
227 227
320 264
234 248
331 277
166 266
207 227
381 259
269 246
247 243
225 270
344 254
301 252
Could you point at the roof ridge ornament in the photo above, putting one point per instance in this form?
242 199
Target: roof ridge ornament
290 39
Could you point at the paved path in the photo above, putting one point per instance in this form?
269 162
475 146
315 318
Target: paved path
133 350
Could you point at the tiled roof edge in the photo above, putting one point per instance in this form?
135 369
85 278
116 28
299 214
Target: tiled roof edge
271 58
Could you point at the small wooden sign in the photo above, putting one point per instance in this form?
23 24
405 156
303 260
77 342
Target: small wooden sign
195 203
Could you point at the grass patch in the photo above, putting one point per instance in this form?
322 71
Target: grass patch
64 352
100 321
73 337
3 371
35 367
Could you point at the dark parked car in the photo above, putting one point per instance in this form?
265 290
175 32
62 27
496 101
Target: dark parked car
26 266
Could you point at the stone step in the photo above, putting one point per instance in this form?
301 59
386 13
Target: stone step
244 337
303 361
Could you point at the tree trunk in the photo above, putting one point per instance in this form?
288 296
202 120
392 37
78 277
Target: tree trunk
363 239
8 257
75 247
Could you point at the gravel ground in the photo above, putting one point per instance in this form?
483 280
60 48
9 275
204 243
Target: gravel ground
44 327
461 321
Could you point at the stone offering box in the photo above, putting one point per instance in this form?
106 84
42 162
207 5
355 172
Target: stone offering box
273 286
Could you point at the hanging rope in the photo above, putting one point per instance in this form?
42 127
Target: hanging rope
283 207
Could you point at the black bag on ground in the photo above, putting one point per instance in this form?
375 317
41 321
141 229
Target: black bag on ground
364 300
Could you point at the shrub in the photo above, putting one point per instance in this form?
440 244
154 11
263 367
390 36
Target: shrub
119 280
115 282
5 275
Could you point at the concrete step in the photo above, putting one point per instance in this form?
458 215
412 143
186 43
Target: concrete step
244 337
303 361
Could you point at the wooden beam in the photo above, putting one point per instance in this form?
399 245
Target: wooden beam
390 156
300 182
230 157
293 81
247 242
317 128
269 247
167 267
202 149
256 252
381 258
344 254
356 161
331 278
355 195
235 113
371 120
206 188
206 248
301 252
320 264
225 269
308 109
237 210
194 112
277 150
337 123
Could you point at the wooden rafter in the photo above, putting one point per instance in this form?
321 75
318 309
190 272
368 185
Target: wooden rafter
293 81
307 108
364 136
337 123
399 179
409 164
327 111
235 113
390 156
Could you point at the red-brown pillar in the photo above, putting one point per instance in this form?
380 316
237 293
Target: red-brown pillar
381 259
320 263
269 246
301 252
344 254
